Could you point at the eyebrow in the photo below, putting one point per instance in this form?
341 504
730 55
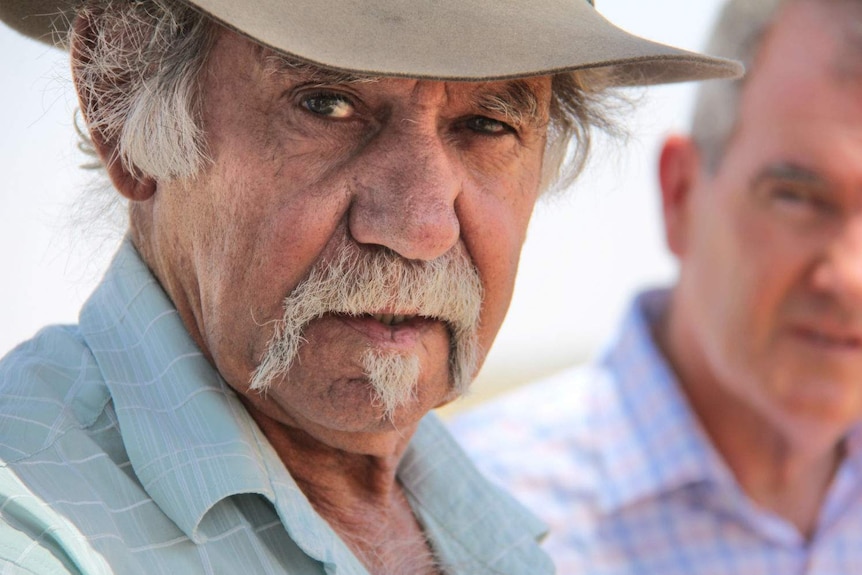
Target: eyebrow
789 171
278 63
516 101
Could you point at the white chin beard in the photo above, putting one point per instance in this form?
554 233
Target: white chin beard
394 377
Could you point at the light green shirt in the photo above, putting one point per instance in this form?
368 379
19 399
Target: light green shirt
123 451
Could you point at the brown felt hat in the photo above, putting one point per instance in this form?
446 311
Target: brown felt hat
435 39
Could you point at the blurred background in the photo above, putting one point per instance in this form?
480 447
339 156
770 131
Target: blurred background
588 250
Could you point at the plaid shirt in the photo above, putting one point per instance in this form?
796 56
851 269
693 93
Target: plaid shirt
123 451
612 456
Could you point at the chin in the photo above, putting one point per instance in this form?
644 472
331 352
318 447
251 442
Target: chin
818 413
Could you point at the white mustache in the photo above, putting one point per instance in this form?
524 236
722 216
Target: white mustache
359 281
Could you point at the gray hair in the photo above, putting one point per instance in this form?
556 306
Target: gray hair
581 102
738 34
139 77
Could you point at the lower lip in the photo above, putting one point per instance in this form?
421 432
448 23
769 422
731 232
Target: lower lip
403 335
809 337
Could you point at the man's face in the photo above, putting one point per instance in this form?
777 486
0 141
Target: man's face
771 250
309 170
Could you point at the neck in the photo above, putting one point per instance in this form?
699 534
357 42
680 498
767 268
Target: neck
358 494
779 467
788 476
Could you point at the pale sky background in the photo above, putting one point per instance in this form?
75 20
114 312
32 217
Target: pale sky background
586 254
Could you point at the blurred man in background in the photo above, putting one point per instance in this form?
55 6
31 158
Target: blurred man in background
719 433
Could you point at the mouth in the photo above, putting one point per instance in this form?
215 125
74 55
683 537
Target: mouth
831 340
392 330
392 319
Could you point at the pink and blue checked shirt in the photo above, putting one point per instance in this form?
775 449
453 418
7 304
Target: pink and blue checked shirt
612 457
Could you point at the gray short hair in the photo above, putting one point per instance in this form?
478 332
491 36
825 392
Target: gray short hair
739 34
139 69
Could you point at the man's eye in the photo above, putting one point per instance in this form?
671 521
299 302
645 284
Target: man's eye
485 125
793 198
329 105
790 196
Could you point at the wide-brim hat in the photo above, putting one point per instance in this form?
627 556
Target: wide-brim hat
433 39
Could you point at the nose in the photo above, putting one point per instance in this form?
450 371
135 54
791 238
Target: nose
404 194
839 271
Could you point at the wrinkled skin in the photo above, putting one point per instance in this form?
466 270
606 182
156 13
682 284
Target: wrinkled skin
416 167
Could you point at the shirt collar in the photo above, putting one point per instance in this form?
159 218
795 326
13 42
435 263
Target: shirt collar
853 444
189 439
472 523
653 442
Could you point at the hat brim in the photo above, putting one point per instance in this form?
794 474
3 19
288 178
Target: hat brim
443 40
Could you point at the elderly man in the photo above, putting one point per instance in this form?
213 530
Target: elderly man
720 433
326 206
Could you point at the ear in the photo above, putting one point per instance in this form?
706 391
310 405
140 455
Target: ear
679 169
132 187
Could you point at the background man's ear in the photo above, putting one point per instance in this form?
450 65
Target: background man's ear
133 188
679 169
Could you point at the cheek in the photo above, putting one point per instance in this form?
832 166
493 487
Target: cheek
263 238
751 274
772 263
493 228
511 170
276 209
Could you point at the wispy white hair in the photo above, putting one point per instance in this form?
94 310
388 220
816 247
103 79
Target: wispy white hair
137 72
